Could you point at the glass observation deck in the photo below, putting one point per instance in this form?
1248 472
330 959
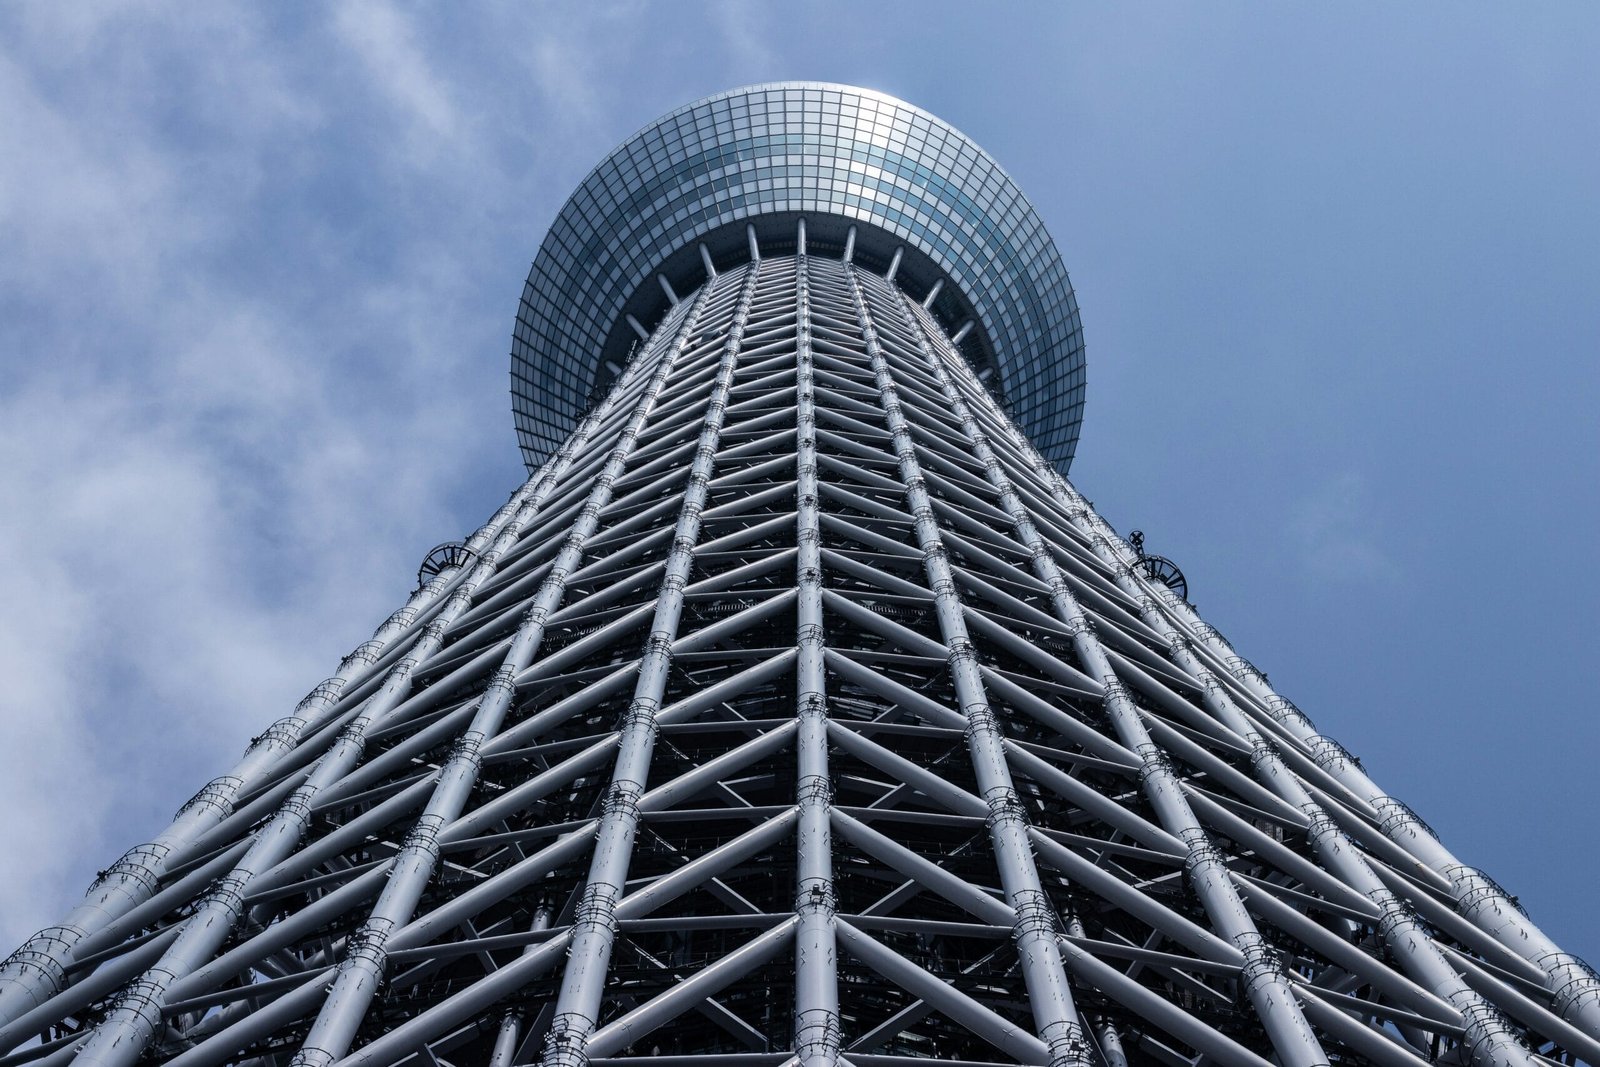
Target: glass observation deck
684 195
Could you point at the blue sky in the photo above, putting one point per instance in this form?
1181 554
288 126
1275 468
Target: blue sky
1338 271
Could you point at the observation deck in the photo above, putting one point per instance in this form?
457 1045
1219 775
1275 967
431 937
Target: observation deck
713 183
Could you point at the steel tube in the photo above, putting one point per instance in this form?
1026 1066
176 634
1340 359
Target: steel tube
1264 980
1490 1040
505 1040
593 929
617 1035
975 644
1573 984
1106 1034
1375 1045
32 973
1156 1009
1049 995
995 1029
816 988
361 971
925 872
120 1038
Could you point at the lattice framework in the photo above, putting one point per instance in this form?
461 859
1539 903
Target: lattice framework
796 710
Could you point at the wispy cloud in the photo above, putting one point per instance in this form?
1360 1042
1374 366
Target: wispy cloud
747 36
257 267
385 41
1338 531
234 414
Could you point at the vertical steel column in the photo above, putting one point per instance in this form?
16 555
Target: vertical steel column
1263 977
816 988
505 1041
361 971
1104 1032
122 1036
594 923
1049 994
1491 1041
36 970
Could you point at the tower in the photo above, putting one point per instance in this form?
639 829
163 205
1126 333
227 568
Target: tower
797 708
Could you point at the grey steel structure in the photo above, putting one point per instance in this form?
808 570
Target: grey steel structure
797 709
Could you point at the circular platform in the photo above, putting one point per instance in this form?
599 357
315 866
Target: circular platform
767 155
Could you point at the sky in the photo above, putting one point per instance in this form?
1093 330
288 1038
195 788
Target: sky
1337 267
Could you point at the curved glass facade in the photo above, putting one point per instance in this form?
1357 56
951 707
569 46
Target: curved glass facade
811 149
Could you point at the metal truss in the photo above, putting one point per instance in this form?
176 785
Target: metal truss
797 711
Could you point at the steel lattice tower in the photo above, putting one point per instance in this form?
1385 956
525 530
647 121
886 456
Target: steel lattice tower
797 709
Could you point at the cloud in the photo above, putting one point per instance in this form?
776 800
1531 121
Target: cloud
1339 533
236 412
746 37
384 39
74 212
565 76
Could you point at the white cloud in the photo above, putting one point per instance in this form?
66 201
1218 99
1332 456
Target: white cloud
385 40
76 213
229 426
